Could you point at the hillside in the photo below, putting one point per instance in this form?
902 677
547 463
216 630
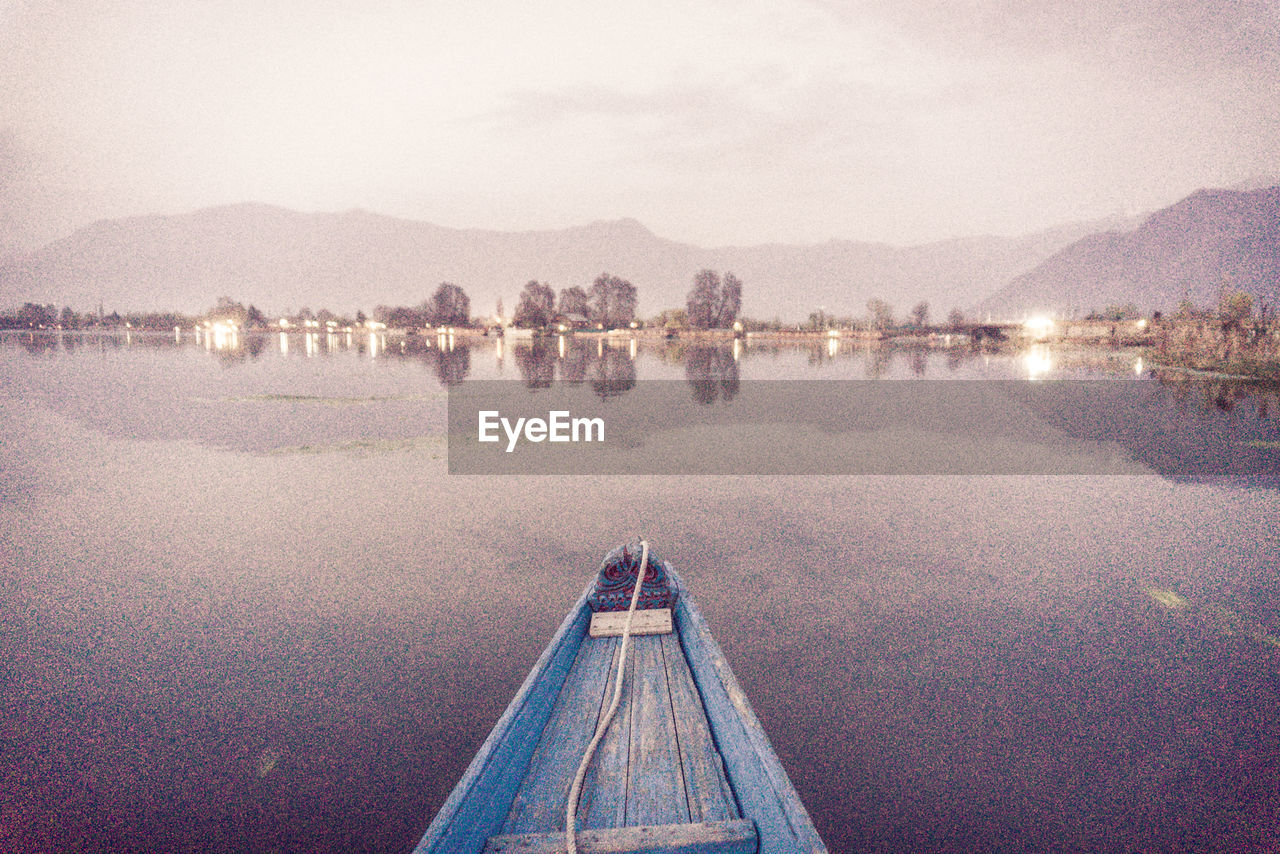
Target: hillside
283 260
1211 240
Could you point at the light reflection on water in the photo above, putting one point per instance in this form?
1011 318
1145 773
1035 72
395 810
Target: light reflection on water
244 608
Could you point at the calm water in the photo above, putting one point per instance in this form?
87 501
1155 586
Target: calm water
245 608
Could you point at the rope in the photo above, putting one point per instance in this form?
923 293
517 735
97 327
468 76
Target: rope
575 791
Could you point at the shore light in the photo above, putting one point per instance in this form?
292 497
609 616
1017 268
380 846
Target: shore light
1038 326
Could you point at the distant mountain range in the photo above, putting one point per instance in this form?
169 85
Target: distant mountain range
282 260
1211 241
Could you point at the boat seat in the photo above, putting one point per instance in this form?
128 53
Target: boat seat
705 837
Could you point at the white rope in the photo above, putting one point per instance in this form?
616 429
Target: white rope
575 791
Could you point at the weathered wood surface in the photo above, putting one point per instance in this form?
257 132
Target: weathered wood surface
706 789
655 780
763 790
729 837
604 788
478 805
609 624
540 803
657 765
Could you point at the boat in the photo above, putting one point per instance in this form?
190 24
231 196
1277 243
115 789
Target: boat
683 766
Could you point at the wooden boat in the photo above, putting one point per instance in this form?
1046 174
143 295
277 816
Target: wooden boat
684 767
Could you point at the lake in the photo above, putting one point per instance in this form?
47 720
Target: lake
246 607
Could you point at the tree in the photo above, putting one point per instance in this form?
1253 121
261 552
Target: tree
228 310
713 304
920 314
613 301
398 317
881 313
730 301
1235 308
449 306
671 318
955 318
1187 310
574 300
33 315
703 302
819 321
536 306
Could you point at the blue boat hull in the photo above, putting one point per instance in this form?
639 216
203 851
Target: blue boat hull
703 776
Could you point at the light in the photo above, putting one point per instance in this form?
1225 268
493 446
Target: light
1038 326
1037 361
224 335
833 333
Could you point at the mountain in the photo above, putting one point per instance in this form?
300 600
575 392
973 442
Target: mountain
282 260
1211 240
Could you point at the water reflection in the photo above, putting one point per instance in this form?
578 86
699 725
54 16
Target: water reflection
609 370
613 373
712 373
1038 361
536 362
940 647
612 366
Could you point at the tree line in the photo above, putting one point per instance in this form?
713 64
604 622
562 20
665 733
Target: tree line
713 303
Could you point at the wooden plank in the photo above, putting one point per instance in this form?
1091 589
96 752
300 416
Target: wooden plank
478 804
763 790
707 790
540 803
604 788
608 624
655 788
729 837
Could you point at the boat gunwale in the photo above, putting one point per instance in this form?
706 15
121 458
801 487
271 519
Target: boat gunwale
559 653
764 791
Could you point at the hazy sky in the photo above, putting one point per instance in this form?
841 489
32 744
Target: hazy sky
713 122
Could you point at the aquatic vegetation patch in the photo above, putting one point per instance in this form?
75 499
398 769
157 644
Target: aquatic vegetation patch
1167 598
325 400
361 446
269 760
1219 618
